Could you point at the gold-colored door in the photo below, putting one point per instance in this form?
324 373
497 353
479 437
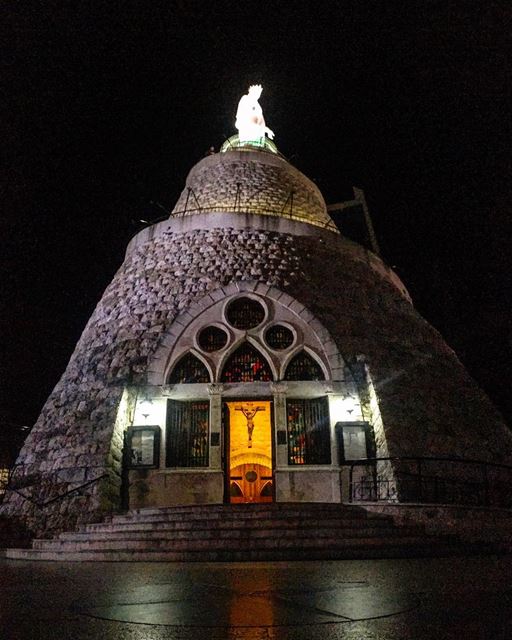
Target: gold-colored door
249 451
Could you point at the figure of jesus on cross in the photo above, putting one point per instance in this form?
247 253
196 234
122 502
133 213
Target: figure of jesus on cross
249 414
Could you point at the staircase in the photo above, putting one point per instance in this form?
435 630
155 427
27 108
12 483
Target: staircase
278 531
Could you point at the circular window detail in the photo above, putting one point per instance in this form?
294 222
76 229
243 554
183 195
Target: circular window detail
212 339
279 337
251 476
245 313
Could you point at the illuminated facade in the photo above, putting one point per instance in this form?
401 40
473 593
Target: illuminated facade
244 352
251 395
248 398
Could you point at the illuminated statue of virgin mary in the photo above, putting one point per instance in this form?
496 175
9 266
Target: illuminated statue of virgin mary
249 117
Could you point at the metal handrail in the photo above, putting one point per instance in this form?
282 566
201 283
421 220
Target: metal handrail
239 207
41 505
427 485
368 461
256 210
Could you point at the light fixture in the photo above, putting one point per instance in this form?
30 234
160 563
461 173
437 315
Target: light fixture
146 405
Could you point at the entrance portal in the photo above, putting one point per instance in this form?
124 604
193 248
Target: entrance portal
248 429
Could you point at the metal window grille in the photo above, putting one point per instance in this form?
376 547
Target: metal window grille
245 313
279 337
309 440
303 367
187 433
189 370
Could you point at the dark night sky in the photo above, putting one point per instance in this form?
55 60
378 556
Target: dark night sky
107 105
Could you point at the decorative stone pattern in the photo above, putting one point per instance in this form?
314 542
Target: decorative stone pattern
260 183
73 440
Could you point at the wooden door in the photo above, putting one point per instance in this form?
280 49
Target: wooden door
249 469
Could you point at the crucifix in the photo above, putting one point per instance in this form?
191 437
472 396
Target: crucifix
249 415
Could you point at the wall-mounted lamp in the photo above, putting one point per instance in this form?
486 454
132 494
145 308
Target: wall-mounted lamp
146 407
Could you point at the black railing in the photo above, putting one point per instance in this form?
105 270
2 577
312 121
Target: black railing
430 480
286 210
244 209
41 504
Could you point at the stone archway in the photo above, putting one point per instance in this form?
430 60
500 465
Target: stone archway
166 354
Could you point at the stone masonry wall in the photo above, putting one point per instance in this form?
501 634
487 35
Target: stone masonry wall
428 403
232 182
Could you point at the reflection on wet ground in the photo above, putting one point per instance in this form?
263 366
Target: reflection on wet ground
174 604
388 599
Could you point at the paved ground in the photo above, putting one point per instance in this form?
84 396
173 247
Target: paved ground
370 599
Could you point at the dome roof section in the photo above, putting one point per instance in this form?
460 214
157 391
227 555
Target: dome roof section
250 180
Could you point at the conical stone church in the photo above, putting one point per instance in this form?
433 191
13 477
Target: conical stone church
247 352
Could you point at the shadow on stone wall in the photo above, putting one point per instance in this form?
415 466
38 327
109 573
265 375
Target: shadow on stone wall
14 533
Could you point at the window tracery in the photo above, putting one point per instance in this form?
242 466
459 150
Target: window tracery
268 326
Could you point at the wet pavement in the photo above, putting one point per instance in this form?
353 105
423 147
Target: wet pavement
357 599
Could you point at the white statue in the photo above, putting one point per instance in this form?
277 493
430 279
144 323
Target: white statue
249 117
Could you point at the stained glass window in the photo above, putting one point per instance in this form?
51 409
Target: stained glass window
189 370
212 339
303 367
245 313
187 433
279 337
309 440
246 364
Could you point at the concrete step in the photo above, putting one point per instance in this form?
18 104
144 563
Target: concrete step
388 550
273 507
250 537
235 544
243 514
234 530
233 523
241 532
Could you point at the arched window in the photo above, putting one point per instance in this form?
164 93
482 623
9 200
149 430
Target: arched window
189 370
303 367
246 364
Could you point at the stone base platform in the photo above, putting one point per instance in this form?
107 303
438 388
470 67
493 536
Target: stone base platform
279 531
